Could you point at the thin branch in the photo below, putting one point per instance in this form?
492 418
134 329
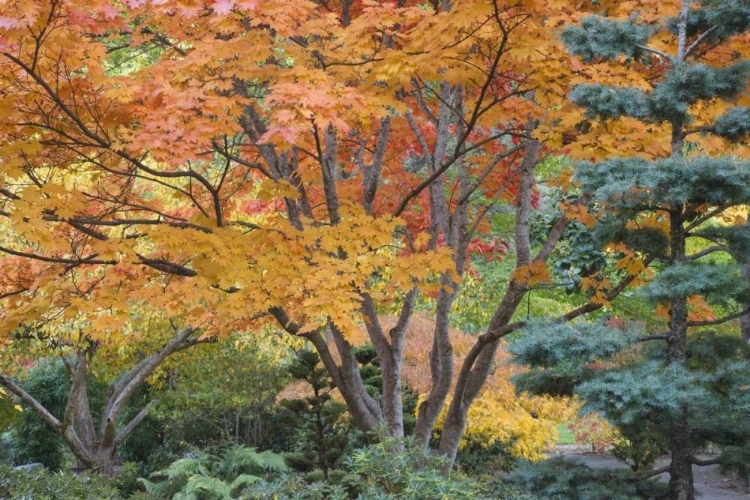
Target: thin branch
656 52
56 98
55 260
719 321
27 398
167 267
443 168
593 306
708 215
494 162
706 251
700 39
229 156
125 431
163 40
651 474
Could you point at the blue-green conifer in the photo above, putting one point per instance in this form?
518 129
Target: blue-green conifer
691 384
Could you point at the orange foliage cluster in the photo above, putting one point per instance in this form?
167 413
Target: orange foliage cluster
168 181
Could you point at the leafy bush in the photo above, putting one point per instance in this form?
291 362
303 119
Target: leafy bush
126 481
477 457
144 442
396 469
220 393
41 484
594 430
206 477
393 469
6 448
294 487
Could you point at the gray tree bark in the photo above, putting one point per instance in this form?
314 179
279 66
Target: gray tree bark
97 450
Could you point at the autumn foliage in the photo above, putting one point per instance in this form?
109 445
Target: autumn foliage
234 165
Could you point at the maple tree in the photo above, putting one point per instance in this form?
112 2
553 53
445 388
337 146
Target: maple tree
267 163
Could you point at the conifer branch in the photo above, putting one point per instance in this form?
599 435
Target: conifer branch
707 216
696 130
659 53
700 39
703 463
660 336
651 474
706 251
719 321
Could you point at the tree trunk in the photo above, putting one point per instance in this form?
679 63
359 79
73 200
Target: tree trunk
474 372
390 352
745 320
681 469
441 368
94 451
481 359
366 414
105 461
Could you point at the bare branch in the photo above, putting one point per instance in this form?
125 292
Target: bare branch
27 398
659 53
719 321
699 40
651 474
125 431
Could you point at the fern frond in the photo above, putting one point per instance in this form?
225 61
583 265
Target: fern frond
243 480
185 467
214 487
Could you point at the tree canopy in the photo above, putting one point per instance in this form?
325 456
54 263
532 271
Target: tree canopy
233 165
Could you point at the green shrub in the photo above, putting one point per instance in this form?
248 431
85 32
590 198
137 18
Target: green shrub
397 469
6 447
126 481
391 470
41 484
33 441
294 487
206 477
321 434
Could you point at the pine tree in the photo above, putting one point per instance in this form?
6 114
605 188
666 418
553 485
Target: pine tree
317 418
691 383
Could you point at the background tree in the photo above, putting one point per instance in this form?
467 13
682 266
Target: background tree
76 424
222 392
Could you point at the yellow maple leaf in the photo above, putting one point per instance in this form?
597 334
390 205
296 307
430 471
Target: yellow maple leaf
532 274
